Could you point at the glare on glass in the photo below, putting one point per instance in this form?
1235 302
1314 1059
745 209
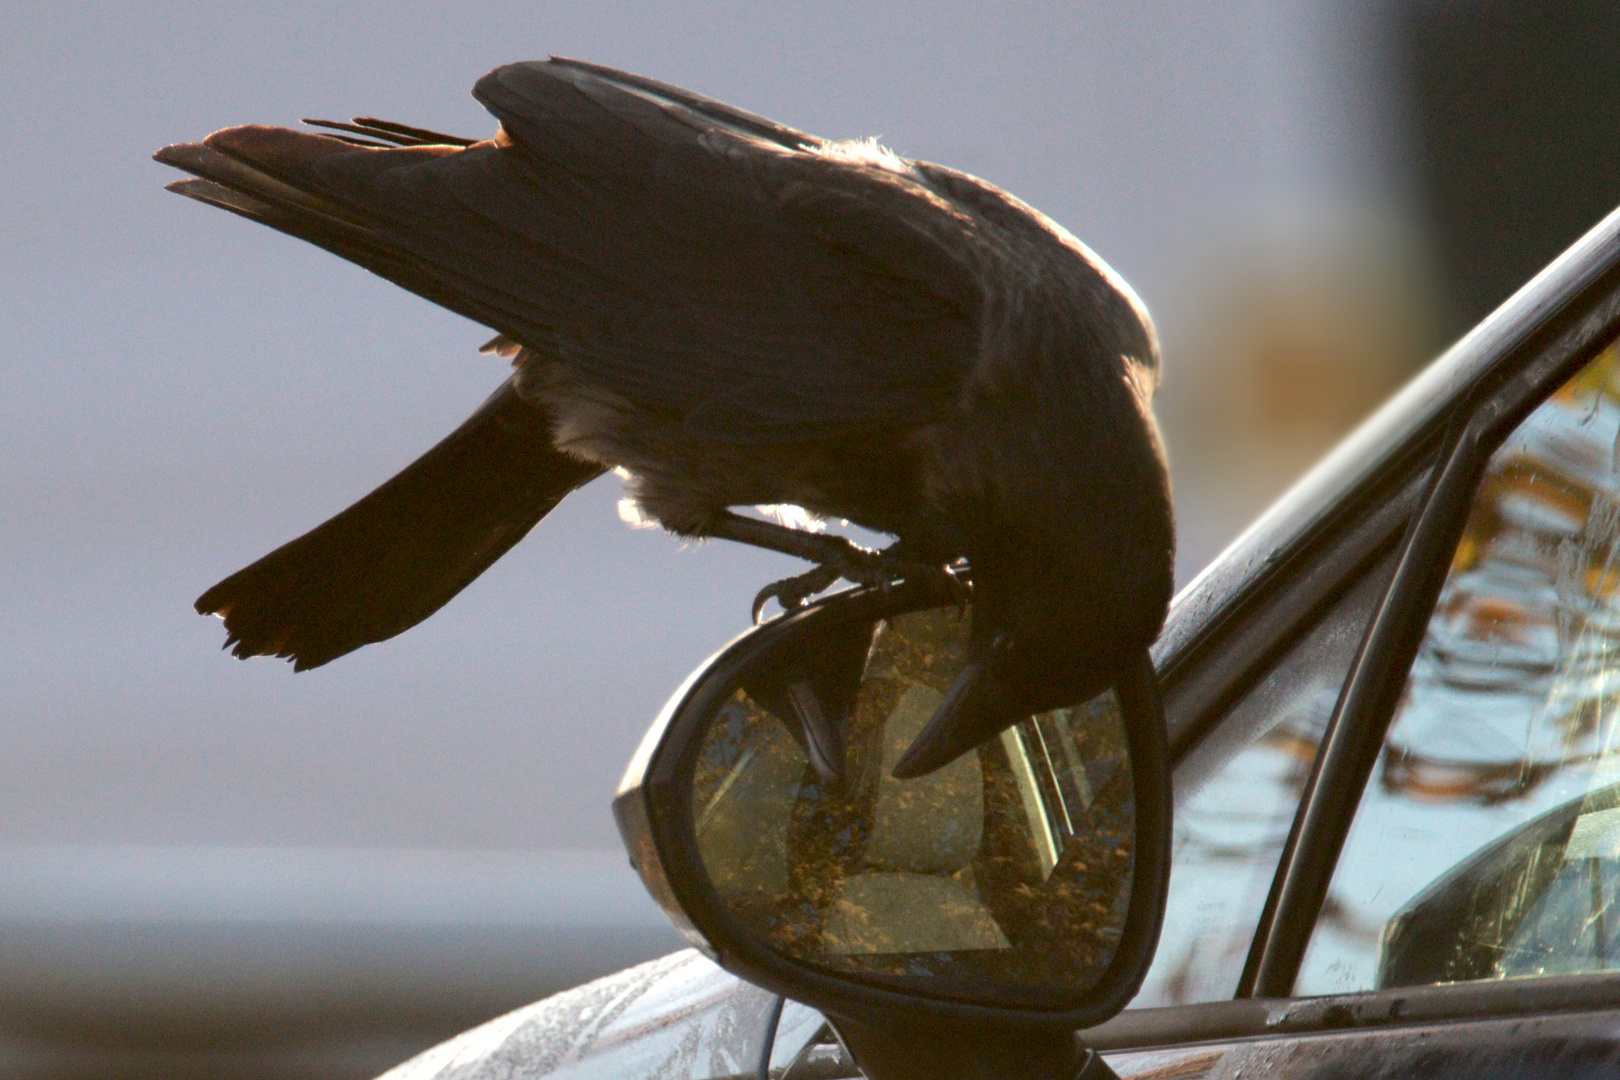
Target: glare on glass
1011 865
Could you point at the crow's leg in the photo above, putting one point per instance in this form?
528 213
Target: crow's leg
816 547
836 556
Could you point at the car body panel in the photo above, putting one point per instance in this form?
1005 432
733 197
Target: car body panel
679 1017
1568 1046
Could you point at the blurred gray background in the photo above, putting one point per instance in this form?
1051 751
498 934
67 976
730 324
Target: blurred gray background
220 867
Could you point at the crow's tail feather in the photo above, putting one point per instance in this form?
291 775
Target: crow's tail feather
399 554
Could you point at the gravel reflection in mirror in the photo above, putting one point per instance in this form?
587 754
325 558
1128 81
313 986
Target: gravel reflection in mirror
1011 866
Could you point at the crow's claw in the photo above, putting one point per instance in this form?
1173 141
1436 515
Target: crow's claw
792 592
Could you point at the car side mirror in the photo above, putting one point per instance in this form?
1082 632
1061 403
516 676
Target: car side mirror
1530 903
962 923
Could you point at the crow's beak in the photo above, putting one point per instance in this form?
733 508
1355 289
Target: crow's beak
971 713
819 690
824 736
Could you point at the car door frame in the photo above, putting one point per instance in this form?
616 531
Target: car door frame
1404 482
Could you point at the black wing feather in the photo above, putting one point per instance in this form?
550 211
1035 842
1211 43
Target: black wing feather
675 250
398 555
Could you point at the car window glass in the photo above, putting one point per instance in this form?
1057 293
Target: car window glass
1487 842
1236 794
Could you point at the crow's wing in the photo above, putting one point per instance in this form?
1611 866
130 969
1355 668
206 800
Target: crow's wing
399 554
757 283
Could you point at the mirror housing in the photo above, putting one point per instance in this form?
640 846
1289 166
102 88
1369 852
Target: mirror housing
932 958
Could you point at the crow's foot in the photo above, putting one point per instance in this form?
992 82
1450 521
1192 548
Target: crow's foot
863 567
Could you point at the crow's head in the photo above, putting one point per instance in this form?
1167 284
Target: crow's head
1070 534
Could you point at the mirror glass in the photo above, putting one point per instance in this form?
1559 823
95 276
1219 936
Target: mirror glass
1009 869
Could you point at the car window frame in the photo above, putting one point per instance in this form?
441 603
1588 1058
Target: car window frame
1406 478
1483 417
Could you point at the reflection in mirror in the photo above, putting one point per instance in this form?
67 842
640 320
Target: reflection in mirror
1012 865
1484 845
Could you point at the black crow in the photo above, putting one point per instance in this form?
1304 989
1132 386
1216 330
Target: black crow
735 313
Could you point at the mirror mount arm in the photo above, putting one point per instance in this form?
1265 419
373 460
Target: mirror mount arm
931 1050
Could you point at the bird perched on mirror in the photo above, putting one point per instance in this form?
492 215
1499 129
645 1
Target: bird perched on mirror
735 313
